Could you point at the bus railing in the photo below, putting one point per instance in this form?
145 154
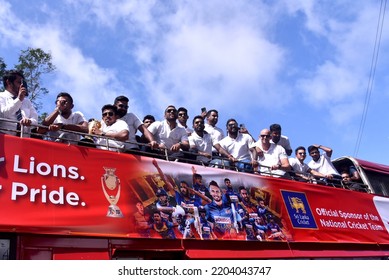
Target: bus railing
90 140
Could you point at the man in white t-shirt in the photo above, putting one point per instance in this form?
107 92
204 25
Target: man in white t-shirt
239 147
64 118
301 170
216 133
182 118
272 158
201 143
113 131
322 163
277 138
169 135
134 124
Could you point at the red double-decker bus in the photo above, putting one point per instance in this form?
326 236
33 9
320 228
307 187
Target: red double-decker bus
66 201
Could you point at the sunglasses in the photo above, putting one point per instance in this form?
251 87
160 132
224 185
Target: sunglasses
171 111
232 124
61 101
182 114
107 114
302 153
265 136
123 106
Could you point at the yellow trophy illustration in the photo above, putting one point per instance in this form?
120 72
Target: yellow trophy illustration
111 188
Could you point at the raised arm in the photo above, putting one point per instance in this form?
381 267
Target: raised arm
163 177
325 149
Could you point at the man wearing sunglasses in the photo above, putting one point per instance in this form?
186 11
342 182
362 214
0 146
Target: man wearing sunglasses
113 130
169 135
239 147
183 117
272 158
134 124
301 170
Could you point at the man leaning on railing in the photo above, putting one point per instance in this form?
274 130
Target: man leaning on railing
63 118
115 130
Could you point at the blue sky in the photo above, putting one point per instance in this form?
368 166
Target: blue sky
303 64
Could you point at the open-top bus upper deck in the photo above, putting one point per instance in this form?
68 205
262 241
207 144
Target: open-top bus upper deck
66 201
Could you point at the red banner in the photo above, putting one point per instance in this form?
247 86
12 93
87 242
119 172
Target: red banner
55 188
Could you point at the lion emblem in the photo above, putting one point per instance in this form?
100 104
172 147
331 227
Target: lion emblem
297 204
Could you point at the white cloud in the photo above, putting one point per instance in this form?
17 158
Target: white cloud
313 18
76 73
330 84
344 76
212 53
203 51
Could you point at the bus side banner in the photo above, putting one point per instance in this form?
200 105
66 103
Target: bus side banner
55 188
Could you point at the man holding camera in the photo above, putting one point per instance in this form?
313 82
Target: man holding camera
14 105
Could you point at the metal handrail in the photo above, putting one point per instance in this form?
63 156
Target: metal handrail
161 153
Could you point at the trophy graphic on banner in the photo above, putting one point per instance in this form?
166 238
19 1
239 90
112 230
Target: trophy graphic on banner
111 188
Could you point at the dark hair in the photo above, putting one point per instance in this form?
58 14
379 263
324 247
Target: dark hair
121 98
149 117
65 94
226 179
230 120
213 183
184 182
197 176
197 117
210 111
110 107
311 148
182 109
299 148
11 75
275 127
241 188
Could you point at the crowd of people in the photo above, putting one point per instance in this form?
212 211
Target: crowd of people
204 142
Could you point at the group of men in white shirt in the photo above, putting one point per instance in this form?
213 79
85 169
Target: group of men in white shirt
268 155
274 149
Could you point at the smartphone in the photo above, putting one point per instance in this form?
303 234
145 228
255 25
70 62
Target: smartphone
24 84
203 109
